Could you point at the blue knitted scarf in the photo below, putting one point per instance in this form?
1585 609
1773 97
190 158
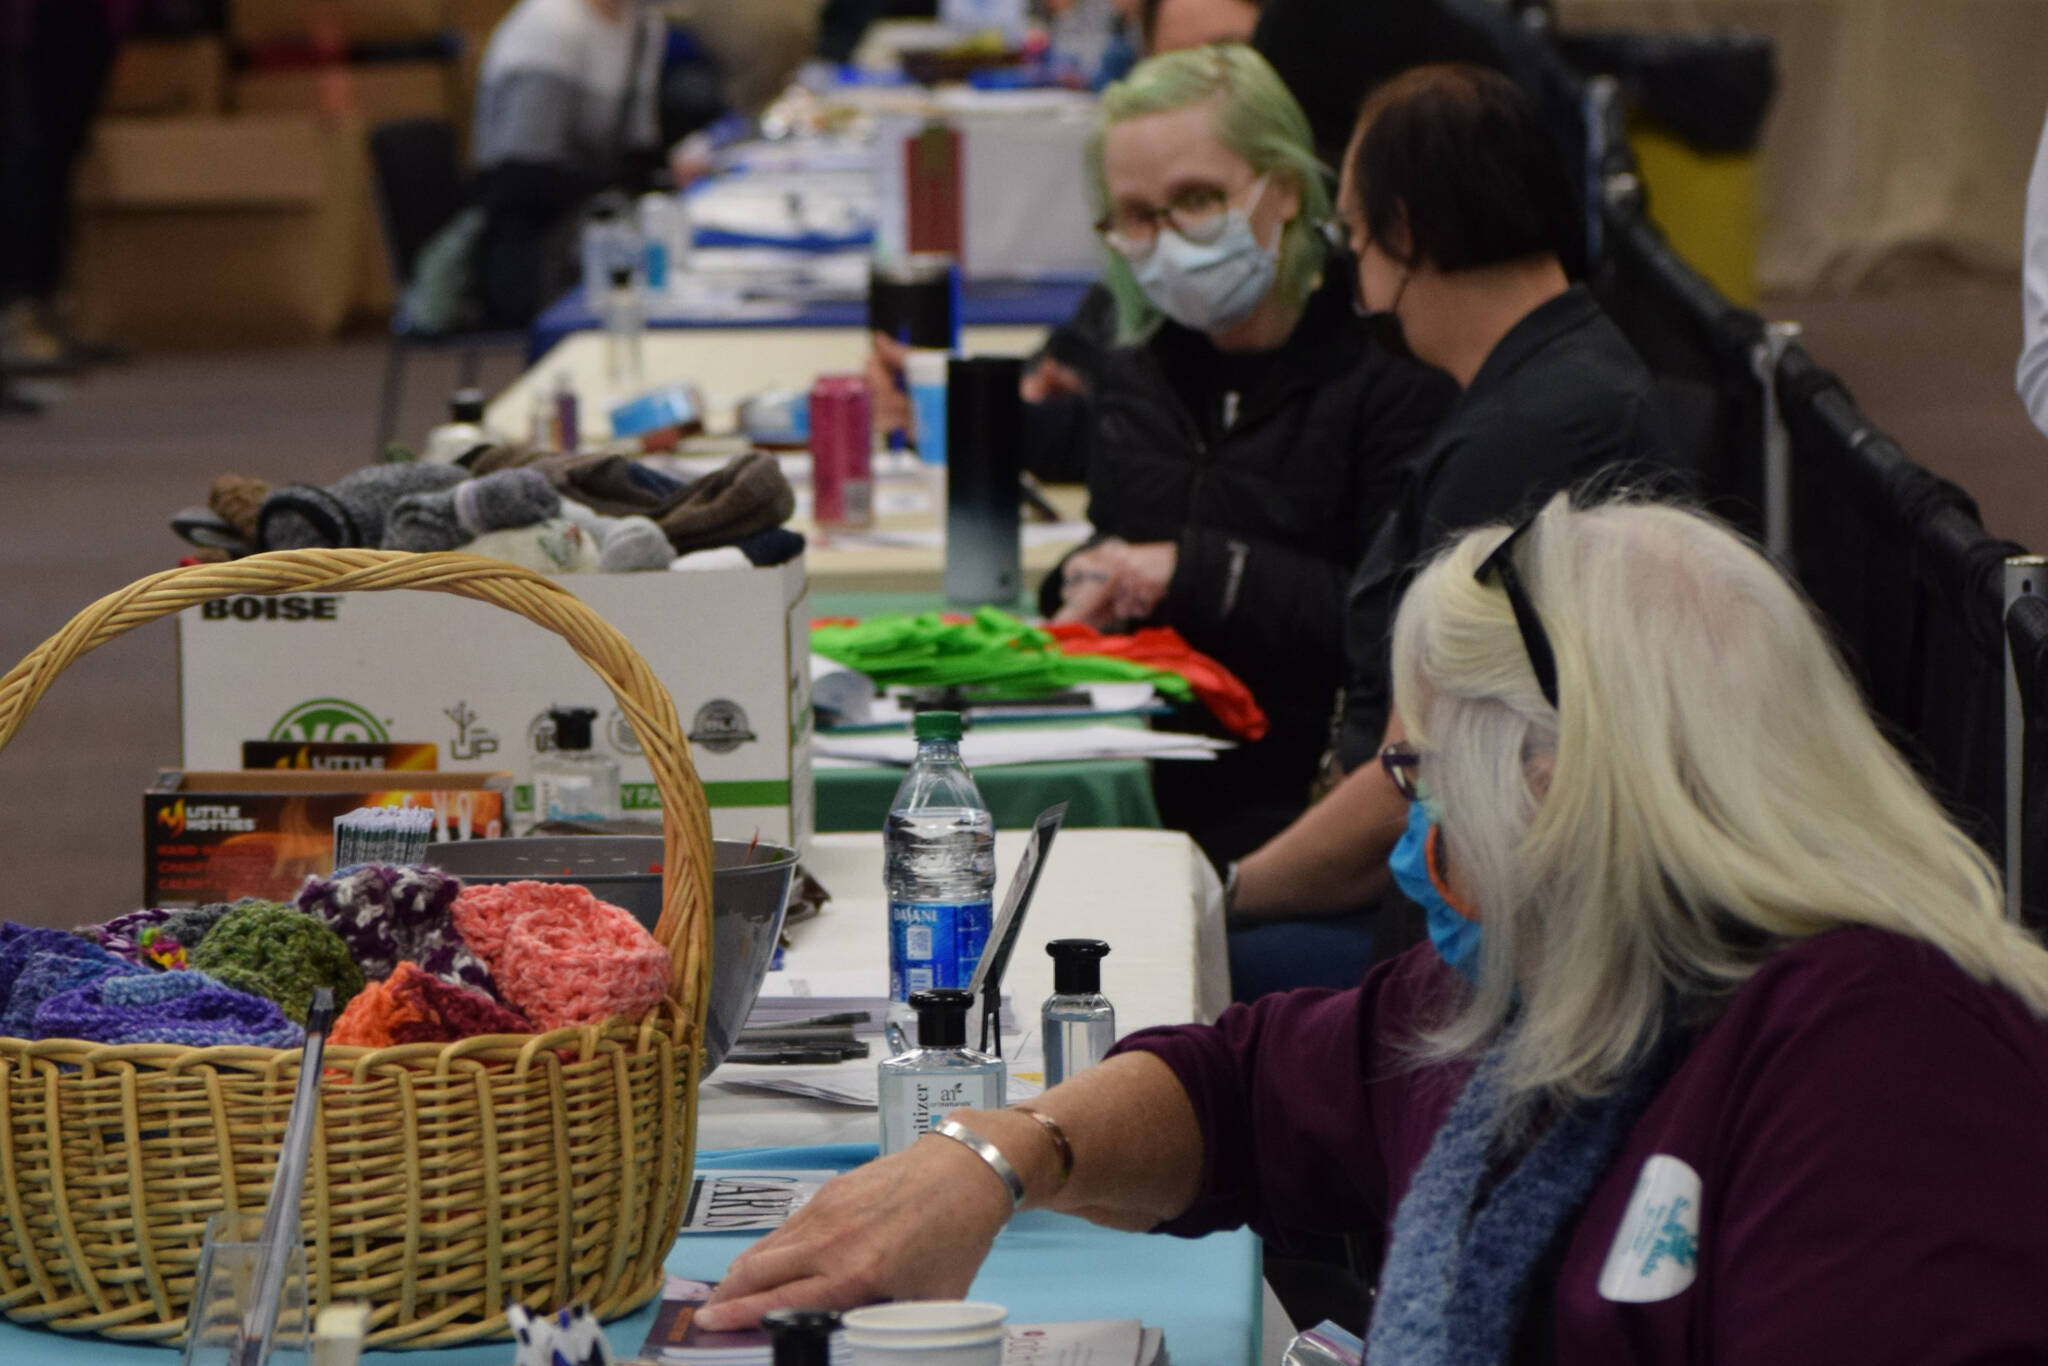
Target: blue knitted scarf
1458 1266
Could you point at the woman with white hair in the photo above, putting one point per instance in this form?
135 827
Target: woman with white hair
1722 1049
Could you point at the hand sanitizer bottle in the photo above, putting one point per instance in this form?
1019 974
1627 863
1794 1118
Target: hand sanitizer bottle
1078 1020
570 782
940 1075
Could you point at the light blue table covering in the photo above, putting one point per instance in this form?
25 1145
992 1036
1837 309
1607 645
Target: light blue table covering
1205 1293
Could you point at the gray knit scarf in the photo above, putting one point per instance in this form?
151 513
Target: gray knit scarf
1457 1271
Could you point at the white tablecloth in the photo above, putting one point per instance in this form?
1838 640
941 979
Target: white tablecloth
1149 893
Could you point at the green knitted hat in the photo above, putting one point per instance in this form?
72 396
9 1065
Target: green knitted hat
279 952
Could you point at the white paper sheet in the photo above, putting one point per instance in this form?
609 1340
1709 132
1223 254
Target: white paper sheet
1024 745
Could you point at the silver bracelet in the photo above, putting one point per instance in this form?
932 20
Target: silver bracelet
987 1152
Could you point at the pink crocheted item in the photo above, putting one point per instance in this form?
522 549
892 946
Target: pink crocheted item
561 955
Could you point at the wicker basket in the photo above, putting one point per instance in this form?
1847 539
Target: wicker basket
446 1180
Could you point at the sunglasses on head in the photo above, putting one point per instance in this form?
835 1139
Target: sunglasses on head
1500 565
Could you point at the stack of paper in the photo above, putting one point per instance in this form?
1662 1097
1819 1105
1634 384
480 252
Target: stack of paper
1021 745
791 995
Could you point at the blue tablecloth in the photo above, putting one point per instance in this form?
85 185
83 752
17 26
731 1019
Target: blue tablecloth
984 303
1205 1293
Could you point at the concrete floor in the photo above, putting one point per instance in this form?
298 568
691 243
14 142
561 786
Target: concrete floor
86 492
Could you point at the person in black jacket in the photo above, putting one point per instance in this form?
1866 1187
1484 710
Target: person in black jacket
1458 205
1247 434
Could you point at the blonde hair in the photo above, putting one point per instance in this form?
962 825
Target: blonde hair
1709 788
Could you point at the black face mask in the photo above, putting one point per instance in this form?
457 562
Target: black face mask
1383 325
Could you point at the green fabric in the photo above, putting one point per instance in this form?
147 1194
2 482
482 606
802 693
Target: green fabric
1100 794
992 647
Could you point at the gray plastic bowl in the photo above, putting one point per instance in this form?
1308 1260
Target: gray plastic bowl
748 897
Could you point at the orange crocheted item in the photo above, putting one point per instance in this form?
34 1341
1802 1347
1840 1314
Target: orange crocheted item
414 1006
561 955
373 1017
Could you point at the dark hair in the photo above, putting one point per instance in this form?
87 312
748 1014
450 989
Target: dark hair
1457 155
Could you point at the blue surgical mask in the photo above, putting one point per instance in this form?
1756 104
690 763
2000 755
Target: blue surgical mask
1456 938
1210 286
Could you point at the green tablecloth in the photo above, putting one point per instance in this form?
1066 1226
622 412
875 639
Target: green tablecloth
1107 793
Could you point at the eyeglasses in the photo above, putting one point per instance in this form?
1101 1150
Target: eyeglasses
1198 213
1535 640
1403 763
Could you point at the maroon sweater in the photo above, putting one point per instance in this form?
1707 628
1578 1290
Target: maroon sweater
1851 1165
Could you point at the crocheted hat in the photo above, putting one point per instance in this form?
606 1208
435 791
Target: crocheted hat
47 974
165 1007
560 954
388 915
278 952
413 1006
188 927
20 943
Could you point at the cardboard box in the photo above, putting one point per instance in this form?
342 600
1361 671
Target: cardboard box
253 23
731 646
993 178
376 92
167 77
216 836
220 232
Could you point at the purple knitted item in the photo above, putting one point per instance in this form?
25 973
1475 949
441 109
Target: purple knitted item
49 974
19 943
119 935
187 1008
388 914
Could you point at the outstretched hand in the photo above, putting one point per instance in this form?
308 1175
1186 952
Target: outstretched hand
914 1225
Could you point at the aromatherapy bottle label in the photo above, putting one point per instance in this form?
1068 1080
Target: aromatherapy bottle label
934 944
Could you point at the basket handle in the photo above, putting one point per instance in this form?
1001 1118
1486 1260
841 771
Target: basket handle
685 925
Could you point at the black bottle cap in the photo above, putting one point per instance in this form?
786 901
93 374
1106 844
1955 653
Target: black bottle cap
572 726
1077 966
467 405
802 1337
942 1016
620 276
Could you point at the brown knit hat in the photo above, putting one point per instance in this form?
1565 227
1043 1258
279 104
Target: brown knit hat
746 497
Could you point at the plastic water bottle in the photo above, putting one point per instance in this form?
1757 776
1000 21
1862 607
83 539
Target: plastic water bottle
939 866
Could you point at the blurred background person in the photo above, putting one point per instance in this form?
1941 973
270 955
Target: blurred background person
55 57
1245 432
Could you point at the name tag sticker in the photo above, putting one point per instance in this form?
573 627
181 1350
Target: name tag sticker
1656 1250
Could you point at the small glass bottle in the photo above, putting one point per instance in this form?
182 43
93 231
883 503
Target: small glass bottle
801 1337
624 319
1078 1020
570 781
940 1075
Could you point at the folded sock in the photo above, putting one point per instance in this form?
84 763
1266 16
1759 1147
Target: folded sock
725 557
556 546
748 495
778 545
635 543
351 512
451 518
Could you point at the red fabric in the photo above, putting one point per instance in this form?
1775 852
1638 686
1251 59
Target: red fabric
1161 647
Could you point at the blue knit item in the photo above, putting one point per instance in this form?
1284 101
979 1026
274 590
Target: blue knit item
1458 1266
48 974
181 1007
20 943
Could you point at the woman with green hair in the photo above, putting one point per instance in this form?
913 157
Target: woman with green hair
1246 430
